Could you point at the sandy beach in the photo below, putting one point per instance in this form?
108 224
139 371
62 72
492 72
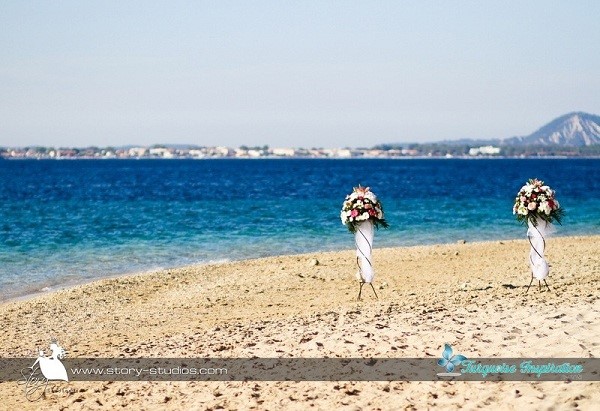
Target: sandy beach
469 295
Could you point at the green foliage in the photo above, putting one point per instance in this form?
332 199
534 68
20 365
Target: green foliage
376 222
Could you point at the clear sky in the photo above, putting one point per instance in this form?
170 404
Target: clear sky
291 73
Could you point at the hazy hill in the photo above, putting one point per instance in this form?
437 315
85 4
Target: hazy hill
573 129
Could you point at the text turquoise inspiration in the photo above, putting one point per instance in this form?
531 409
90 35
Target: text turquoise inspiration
525 367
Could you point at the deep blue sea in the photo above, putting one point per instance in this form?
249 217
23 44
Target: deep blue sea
64 222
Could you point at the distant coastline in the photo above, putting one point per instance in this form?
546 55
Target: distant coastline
408 151
573 135
406 158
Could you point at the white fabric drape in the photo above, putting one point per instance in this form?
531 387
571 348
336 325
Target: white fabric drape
536 236
363 237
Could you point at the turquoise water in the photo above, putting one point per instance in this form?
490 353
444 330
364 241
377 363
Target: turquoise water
64 222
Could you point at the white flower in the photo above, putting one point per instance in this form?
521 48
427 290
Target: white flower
545 208
370 196
522 210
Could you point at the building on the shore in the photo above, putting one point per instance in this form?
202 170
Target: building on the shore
484 150
283 152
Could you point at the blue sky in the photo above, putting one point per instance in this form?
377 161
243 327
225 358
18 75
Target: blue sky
302 73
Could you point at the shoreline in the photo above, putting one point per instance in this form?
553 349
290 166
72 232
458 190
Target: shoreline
308 257
76 283
91 280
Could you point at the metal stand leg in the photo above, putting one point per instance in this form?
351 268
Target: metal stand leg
539 285
529 285
360 290
547 285
376 296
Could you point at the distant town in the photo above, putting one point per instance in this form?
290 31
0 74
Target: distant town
432 150
171 152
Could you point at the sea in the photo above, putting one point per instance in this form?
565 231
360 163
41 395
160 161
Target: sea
73 221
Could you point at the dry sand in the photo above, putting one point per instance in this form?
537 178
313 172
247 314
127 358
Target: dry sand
468 295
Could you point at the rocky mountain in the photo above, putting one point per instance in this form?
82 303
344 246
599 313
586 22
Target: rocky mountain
573 129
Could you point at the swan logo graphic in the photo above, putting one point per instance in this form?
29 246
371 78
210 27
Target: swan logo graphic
449 362
44 369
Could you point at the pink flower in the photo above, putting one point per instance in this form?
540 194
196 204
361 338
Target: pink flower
532 206
353 213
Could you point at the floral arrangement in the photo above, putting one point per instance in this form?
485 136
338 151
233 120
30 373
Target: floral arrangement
535 200
362 205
